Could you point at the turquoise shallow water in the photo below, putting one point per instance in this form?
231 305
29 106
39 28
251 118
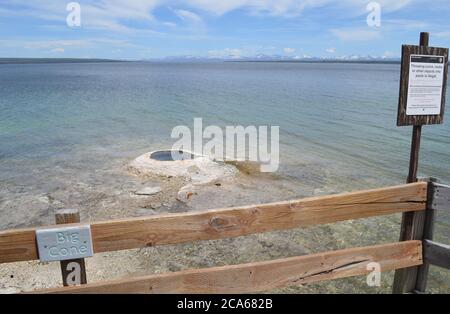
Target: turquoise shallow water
61 124
339 116
341 113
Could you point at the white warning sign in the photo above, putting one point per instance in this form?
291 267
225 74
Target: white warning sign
426 84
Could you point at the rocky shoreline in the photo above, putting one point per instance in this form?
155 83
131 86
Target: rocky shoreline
136 195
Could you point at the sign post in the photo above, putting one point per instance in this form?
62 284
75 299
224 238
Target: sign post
73 271
423 85
68 244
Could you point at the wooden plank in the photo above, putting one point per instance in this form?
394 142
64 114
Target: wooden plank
73 271
264 276
428 233
422 272
19 245
412 228
437 254
405 280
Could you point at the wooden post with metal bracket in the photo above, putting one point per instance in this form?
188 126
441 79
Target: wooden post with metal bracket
73 271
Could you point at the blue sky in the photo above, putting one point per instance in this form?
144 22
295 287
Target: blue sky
145 29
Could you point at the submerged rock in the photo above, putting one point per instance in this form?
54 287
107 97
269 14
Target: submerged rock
186 193
196 169
147 191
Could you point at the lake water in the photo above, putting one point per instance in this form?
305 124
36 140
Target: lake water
62 124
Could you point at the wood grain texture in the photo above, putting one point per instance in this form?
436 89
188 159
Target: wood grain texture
428 234
19 245
412 228
68 216
405 280
402 118
264 276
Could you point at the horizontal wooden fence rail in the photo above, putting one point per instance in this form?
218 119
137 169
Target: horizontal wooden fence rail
263 276
20 245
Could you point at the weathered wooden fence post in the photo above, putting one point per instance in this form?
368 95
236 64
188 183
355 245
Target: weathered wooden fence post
421 102
412 223
433 253
73 271
422 274
412 229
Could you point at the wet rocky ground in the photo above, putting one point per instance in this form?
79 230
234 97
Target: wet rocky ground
113 195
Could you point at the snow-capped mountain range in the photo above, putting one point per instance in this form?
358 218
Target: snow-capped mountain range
280 58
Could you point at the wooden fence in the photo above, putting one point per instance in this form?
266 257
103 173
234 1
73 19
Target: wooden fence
122 234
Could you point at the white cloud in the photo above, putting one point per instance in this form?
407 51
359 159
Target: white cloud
289 50
58 50
331 50
356 34
60 45
114 15
188 16
406 24
226 53
289 7
103 14
394 5
444 34
273 7
54 45
111 14
390 54
170 24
